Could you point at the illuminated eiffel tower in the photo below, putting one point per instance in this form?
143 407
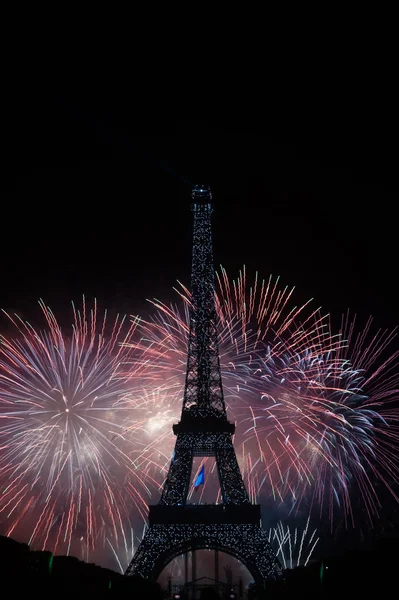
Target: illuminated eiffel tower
176 527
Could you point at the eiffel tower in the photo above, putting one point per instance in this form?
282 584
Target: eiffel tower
176 527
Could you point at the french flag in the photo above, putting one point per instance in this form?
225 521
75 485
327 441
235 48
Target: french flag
200 479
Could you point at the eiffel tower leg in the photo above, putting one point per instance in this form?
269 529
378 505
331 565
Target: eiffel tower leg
186 569
231 483
178 480
194 571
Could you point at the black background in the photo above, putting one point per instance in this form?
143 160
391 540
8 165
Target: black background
97 202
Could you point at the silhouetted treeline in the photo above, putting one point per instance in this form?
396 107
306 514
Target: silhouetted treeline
359 574
40 574
354 575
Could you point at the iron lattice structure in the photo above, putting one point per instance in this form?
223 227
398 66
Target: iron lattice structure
234 526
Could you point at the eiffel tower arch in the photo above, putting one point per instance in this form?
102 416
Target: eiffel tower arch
175 526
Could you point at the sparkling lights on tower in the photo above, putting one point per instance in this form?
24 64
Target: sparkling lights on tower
177 527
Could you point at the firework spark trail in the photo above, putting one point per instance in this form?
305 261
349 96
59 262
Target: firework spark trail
292 548
68 477
316 420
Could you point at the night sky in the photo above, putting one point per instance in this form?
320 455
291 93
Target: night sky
98 202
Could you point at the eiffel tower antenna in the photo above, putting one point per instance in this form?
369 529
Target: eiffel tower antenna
176 527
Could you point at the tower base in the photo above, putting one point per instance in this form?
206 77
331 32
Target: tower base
246 542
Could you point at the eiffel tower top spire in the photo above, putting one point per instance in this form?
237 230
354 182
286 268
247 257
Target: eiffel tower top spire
203 395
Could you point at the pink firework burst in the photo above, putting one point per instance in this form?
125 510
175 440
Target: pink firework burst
70 479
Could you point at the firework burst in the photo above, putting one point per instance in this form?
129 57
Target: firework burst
316 419
85 418
72 473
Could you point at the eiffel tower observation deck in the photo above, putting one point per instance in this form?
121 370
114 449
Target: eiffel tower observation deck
175 526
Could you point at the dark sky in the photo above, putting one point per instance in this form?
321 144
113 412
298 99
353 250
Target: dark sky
98 202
